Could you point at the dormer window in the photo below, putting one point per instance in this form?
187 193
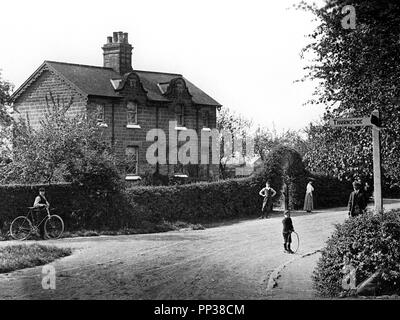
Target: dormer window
131 113
180 87
180 115
132 83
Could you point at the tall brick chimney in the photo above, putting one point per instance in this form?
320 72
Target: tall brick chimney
117 53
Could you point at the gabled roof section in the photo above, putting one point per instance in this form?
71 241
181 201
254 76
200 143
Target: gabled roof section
92 80
155 84
98 81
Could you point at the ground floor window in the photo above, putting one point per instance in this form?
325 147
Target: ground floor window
132 160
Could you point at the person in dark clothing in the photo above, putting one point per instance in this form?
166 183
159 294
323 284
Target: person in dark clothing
357 200
367 192
287 230
41 206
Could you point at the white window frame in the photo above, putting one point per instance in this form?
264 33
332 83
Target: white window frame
206 124
128 111
130 175
101 121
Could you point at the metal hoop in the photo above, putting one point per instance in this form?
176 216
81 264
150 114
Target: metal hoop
298 242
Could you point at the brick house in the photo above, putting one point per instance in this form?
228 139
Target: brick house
127 103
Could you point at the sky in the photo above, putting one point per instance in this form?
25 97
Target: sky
245 54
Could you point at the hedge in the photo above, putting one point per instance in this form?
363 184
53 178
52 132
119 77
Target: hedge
79 207
369 243
330 192
199 202
84 208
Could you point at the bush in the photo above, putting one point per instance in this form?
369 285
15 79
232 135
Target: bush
285 165
198 202
79 206
27 256
330 192
369 243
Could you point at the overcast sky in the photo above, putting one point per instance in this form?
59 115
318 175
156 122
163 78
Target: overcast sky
245 54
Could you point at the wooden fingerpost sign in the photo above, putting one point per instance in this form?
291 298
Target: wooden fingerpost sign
375 122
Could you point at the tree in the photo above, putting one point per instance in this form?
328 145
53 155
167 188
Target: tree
238 127
5 93
5 120
358 70
265 140
64 148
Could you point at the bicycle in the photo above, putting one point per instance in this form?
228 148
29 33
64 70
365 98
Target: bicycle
22 227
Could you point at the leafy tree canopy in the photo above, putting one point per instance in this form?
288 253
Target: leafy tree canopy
358 70
5 93
64 148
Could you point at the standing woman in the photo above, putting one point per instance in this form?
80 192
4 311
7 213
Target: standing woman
308 201
268 193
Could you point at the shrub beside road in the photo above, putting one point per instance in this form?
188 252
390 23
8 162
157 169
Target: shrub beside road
26 256
368 244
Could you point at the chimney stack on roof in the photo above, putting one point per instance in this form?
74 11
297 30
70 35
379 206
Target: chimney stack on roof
117 53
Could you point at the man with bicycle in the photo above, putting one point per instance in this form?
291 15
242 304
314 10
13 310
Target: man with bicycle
41 206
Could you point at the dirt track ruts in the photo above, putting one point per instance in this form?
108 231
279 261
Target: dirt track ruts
226 262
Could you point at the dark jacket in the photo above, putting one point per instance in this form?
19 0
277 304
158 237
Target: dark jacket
287 225
357 203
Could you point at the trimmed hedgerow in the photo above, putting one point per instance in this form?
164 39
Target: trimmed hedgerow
199 202
86 208
80 207
330 192
369 243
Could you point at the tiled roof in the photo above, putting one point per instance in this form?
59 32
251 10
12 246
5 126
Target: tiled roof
93 80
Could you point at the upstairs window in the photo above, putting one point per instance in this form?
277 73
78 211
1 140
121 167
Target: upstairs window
206 119
131 113
180 115
100 113
132 160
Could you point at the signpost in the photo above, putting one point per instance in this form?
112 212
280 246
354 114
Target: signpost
373 121
350 122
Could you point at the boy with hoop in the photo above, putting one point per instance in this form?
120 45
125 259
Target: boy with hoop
286 232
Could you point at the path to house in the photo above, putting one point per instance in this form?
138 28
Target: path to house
243 260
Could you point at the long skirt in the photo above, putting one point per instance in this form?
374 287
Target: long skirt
308 202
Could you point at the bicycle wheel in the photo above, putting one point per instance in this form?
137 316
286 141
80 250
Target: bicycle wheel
20 228
295 241
54 227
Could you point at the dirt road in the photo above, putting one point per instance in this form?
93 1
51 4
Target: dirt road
226 262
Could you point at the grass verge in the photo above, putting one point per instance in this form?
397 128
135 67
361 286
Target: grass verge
145 227
26 256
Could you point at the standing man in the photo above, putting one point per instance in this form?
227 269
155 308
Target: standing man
41 206
268 193
357 200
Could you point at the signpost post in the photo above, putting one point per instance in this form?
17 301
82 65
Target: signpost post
373 121
375 117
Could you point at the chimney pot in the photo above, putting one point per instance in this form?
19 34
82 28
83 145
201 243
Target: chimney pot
117 53
120 37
